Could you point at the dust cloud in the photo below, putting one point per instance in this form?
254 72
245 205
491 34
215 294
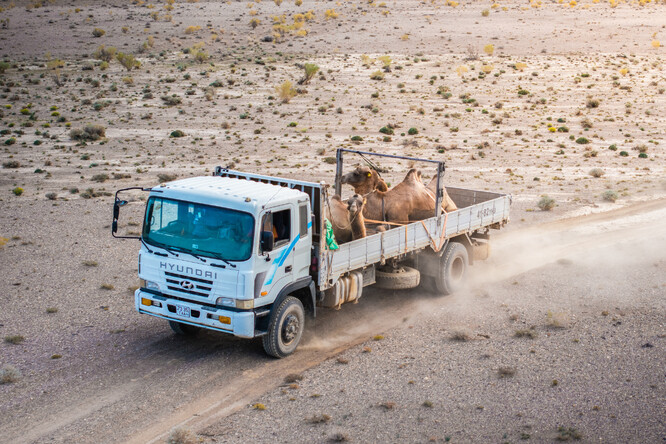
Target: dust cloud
606 240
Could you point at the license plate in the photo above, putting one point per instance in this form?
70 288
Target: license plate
183 311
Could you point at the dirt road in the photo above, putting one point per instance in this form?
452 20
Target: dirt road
123 377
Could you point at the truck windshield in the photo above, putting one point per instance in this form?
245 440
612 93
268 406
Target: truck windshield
200 229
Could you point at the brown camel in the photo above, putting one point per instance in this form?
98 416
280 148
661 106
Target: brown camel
447 203
355 205
408 201
346 218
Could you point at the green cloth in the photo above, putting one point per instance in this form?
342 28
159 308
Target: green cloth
330 237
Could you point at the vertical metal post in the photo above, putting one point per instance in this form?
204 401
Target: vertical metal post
338 172
439 195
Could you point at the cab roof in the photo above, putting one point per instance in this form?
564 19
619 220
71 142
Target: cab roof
229 192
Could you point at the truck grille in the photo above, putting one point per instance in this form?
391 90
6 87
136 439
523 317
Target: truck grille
197 286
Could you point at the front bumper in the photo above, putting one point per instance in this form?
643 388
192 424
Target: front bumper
242 322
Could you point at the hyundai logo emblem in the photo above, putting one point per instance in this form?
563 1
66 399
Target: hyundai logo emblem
187 285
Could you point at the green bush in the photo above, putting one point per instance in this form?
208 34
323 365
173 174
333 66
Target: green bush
582 141
546 203
172 100
386 130
610 196
128 61
17 191
177 133
98 32
412 131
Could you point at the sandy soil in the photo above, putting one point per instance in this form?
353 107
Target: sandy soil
95 371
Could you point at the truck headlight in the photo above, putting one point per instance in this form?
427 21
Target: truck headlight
149 285
225 301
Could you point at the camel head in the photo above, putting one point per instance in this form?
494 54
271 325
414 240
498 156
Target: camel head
364 180
355 204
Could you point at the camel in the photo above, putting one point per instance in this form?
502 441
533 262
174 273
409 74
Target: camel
346 218
447 203
355 206
408 201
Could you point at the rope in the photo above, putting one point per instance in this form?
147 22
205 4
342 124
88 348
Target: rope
371 164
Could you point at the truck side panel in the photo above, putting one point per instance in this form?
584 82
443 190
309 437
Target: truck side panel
404 239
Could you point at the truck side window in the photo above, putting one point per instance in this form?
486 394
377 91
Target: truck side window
282 227
303 220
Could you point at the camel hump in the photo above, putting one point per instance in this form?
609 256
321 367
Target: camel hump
336 197
413 175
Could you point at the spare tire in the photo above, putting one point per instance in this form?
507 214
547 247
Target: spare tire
400 278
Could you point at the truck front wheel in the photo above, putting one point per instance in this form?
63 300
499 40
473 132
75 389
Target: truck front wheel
285 328
452 269
183 329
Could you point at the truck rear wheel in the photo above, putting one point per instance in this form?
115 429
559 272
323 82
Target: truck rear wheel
401 278
183 329
285 328
452 269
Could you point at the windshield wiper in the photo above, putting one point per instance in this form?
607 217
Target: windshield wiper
158 245
220 258
182 250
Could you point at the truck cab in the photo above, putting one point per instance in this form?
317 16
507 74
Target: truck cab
219 252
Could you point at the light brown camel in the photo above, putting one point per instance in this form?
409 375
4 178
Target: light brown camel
408 201
346 218
355 205
447 203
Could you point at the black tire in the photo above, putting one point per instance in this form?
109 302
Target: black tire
285 328
401 278
183 329
452 269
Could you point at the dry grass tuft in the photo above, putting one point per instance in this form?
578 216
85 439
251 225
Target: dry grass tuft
525 333
506 372
14 339
461 335
9 374
293 377
181 436
319 419
557 319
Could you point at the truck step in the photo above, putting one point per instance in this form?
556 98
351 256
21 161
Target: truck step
259 333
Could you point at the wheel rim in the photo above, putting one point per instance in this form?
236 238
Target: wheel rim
290 329
457 269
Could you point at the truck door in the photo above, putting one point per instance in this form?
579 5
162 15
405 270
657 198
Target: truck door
302 253
279 268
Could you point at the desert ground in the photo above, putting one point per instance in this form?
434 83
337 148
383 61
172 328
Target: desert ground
559 336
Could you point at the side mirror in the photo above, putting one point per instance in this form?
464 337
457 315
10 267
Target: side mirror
267 241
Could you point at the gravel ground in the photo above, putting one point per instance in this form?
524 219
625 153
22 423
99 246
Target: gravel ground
589 365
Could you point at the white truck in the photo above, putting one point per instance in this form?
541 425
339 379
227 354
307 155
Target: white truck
246 254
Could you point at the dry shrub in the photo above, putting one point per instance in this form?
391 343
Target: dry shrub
105 54
461 335
181 436
285 91
293 377
546 203
557 319
9 374
506 372
89 132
